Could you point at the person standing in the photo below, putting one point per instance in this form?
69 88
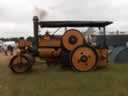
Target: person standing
5 50
10 49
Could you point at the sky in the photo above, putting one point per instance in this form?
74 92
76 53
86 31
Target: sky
16 15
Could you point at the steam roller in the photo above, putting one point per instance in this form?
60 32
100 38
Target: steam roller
70 49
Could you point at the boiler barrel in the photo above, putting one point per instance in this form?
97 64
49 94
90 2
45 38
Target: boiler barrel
49 52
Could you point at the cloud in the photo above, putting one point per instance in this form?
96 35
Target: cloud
16 15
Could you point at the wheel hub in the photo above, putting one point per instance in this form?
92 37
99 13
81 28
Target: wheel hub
83 58
72 39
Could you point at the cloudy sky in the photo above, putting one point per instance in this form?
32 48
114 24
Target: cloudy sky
16 15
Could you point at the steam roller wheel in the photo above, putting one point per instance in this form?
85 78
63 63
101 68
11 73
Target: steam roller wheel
72 39
20 64
84 58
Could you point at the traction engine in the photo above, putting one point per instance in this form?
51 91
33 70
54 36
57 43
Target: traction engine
70 49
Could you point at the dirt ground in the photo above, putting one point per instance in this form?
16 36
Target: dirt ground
4 59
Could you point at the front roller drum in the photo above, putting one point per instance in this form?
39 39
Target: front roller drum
84 58
20 64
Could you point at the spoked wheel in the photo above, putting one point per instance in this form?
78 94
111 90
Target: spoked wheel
84 58
20 64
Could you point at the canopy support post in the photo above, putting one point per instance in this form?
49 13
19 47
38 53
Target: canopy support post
105 39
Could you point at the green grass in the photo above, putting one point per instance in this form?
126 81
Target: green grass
55 81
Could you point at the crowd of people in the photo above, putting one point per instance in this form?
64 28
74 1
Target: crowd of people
7 50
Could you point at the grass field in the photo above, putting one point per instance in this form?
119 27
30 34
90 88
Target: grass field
54 81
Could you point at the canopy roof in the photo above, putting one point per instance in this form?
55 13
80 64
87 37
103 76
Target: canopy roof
74 23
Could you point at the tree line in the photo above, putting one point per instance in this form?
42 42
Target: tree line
29 38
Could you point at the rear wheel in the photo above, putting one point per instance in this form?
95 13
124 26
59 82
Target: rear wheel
84 58
72 39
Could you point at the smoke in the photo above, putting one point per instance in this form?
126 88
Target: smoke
40 12
48 9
